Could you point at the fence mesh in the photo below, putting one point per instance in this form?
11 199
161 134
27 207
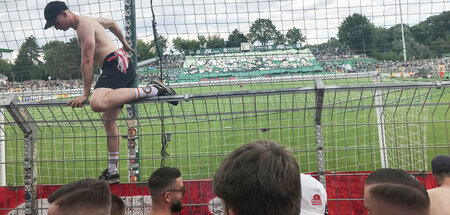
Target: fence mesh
380 107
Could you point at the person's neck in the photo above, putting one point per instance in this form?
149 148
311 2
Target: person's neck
75 21
160 211
446 182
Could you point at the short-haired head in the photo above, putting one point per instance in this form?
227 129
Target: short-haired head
260 177
440 167
95 199
68 188
396 188
117 205
162 179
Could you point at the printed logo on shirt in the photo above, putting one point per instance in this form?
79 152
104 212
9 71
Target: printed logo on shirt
316 200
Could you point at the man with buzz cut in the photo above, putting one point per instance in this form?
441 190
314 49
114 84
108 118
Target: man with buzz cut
114 88
87 196
395 191
440 196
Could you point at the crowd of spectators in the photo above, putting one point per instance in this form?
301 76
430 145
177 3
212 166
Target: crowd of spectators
332 53
415 68
422 66
30 85
247 63
337 60
348 66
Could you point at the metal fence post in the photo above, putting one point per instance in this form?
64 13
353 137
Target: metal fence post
132 110
320 91
23 119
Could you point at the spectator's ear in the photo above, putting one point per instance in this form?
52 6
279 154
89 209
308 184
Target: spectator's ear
166 197
229 211
232 212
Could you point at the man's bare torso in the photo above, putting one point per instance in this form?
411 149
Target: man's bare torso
103 43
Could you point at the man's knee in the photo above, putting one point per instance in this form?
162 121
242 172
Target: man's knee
97 106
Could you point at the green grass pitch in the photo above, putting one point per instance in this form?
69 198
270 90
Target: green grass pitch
71 143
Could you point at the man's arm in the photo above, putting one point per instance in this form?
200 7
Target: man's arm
86 36
114 28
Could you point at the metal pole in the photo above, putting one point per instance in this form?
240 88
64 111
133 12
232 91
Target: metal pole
403 33
25 122
132 110
320 91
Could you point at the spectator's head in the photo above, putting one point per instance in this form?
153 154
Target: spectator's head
440 167
314 196
68 188
117 205
166 188
260 177
94 199
395 191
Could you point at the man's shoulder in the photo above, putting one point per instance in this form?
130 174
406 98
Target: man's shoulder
439 191
87 21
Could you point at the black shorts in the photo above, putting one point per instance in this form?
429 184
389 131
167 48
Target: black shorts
112 77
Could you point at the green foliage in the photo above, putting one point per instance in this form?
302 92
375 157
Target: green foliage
144 50
236 38
427 39
162 42
27 61
5 67
202 41
441 45
263 31
215 42
357 31
280 39
62 60
294 36
184 46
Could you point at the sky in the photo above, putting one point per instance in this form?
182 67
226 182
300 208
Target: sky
319 20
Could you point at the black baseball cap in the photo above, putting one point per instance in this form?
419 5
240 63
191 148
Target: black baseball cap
52 10
440 164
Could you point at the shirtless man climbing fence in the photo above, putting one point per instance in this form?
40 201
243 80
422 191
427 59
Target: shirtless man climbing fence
114 86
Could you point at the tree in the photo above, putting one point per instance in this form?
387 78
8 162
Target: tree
280 39
215 41
381 39
27 61
55 59
75 58
162 42
236 38
356 31
294 36
441 45
144 51
185 46
62 60
202 41
422 33
5 67
263 31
